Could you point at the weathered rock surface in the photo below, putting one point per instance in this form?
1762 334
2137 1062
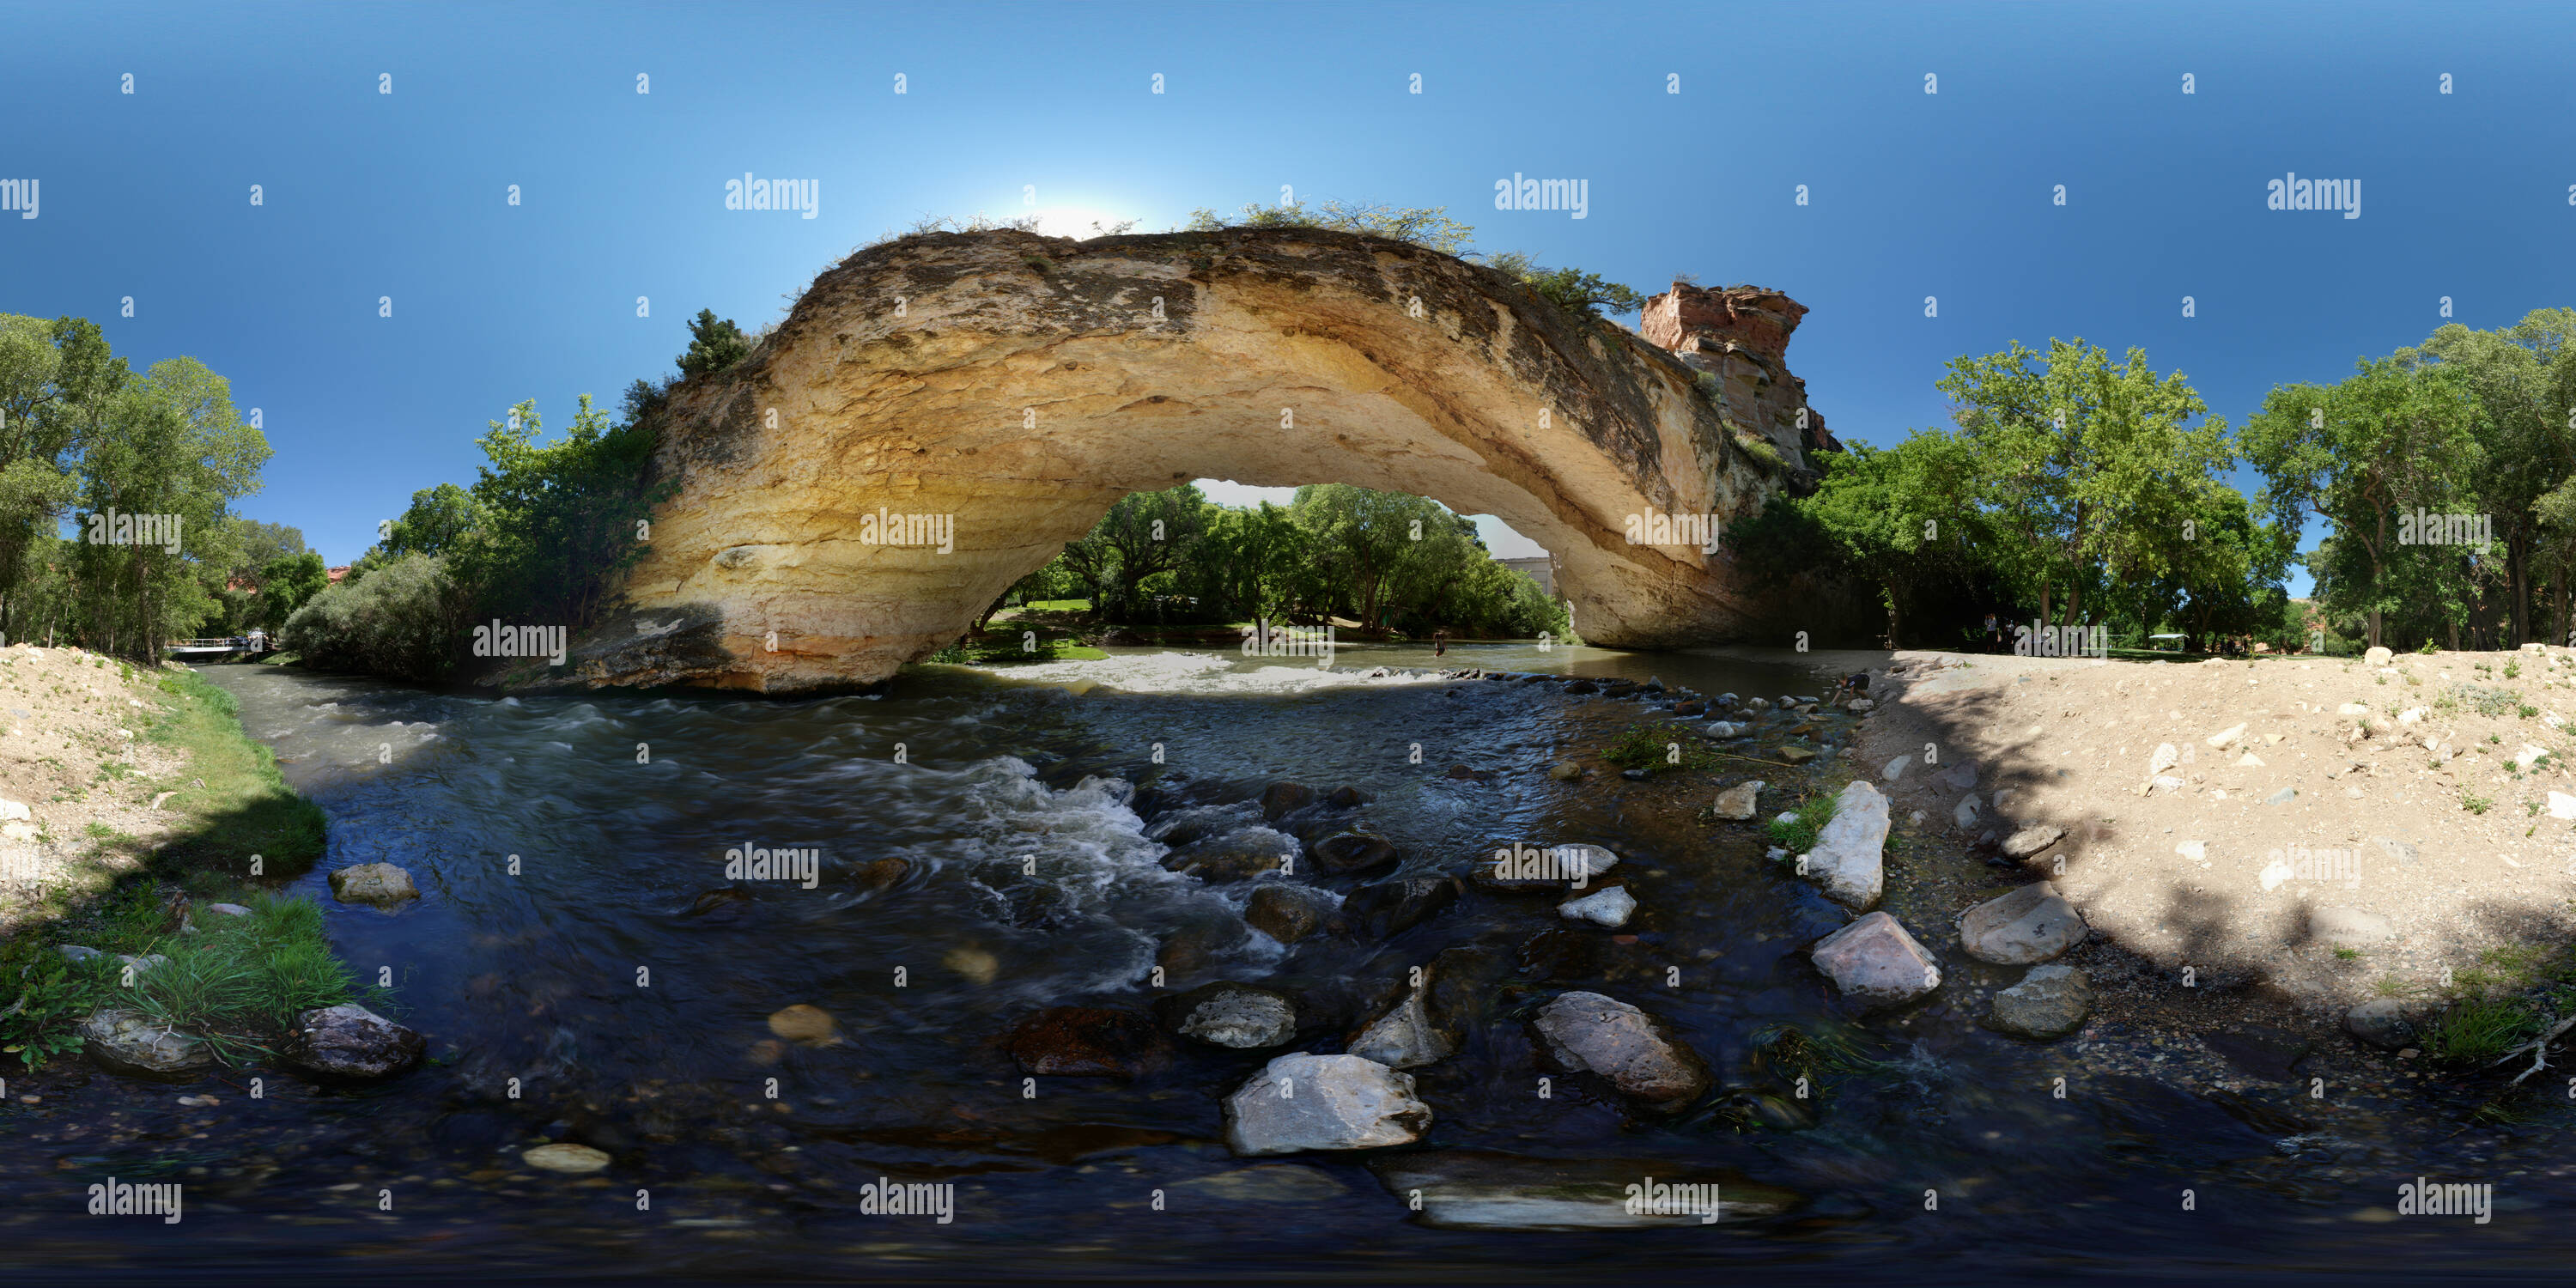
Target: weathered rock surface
1570 867
1738 802
1848 861
2031 924
1874 962
1234 1015
1589 1033
1288 912
382 885
2032 840
1611 907
1388 908
1199 822
1346 853
1236 856
350 1041
125 1042
1409 1035
1302 1102
2049 1002
1027 383
2381 1022
1468 1190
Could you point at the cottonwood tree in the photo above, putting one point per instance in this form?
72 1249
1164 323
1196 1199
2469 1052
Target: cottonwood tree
2392 435
2083 464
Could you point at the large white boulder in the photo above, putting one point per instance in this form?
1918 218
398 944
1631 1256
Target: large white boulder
1302 1102
1848 861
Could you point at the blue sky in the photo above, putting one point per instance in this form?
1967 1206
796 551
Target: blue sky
403 195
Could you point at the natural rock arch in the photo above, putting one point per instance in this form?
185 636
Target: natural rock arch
1022 384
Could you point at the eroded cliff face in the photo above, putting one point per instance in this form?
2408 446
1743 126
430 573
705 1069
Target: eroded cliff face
1008 388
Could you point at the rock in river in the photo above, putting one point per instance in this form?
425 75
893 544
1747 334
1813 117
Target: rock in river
1235 1015
1343 853
1738 803
1847 861
1389 908
1589 1033
1302 1102
1407 1036
1236 856
1875 963
1611 907
380 884
1288 912
2049 1002
125 1042
350 1041
1466 1190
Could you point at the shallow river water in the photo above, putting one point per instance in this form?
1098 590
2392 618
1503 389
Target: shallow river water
576 982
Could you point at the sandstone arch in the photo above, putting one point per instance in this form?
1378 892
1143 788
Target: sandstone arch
1022 384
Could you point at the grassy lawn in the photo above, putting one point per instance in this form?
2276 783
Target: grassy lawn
1006 648
243 807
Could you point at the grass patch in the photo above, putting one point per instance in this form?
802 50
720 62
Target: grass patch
1798 835
1658 747
2476 804
2507 999
244 807
2476 1032
238 982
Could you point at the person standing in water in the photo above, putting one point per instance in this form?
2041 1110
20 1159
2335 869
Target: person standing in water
1440 643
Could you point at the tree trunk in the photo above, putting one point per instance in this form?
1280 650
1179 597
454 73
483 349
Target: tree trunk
2518 576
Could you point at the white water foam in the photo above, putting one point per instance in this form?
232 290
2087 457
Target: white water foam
1192 673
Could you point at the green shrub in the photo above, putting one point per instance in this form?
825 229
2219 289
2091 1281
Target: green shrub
407 621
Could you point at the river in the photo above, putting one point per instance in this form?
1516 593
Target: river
564 845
